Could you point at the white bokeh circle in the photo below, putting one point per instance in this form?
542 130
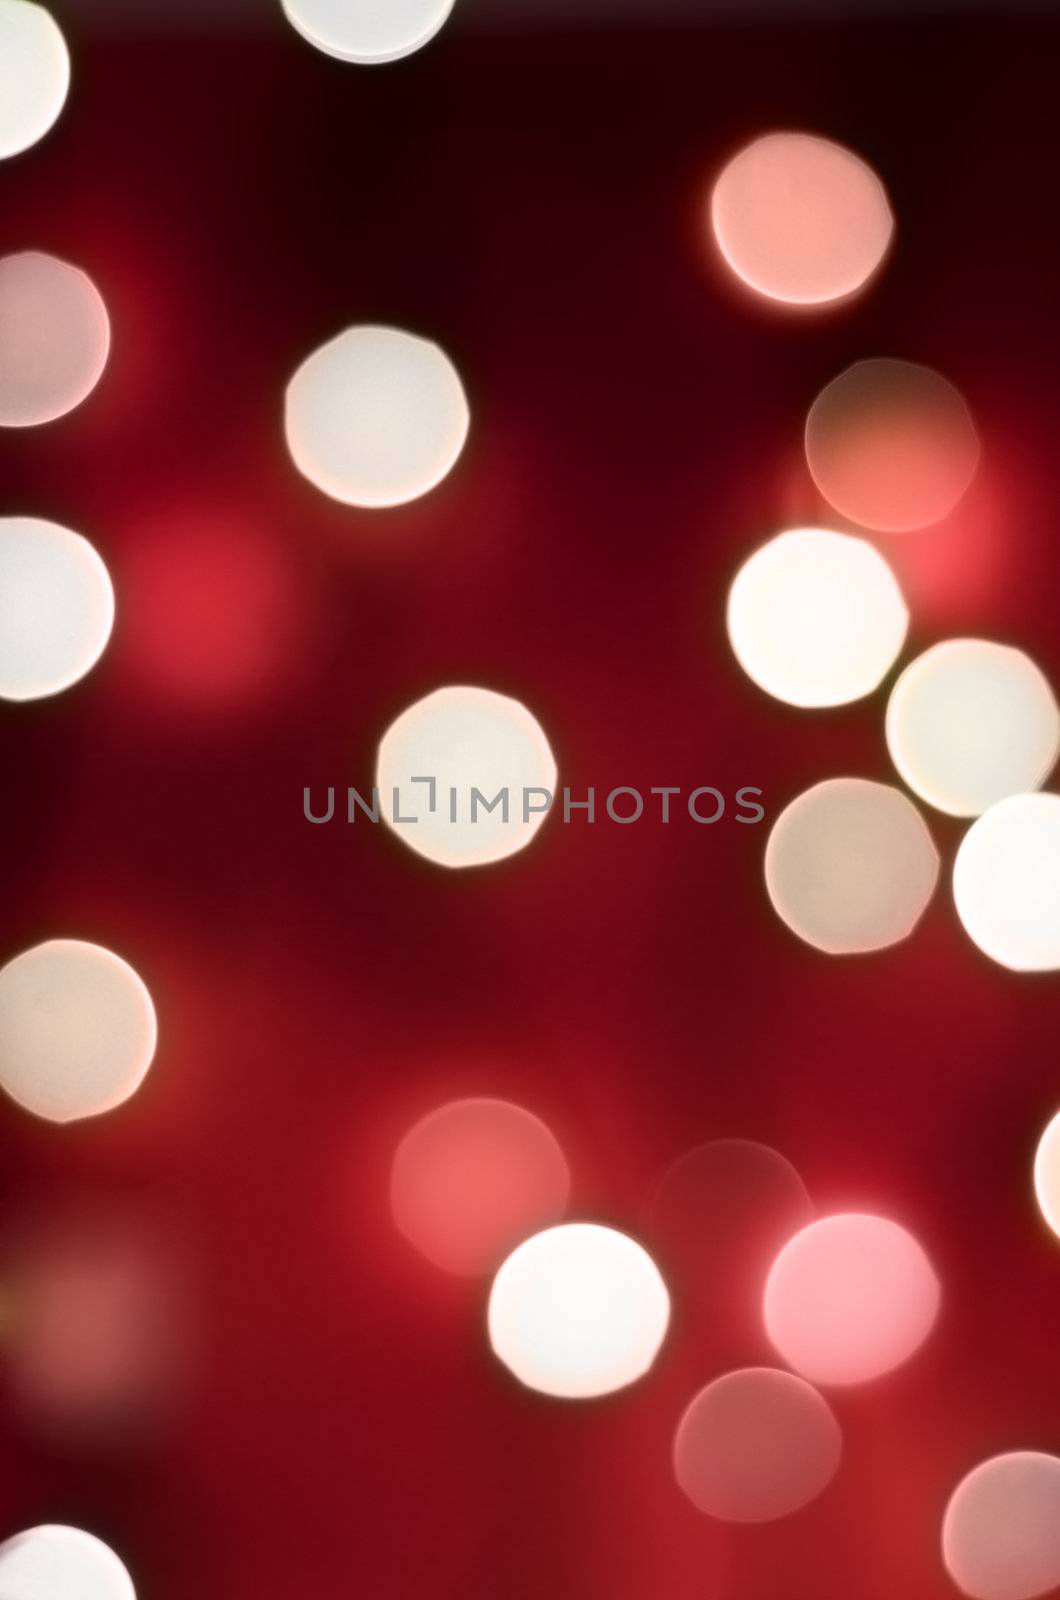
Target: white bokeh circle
1006 882
850 866
34 74
578 1311
1047 1174
460 743
376 417
54 338
57 1563
56 608
1001 1529
816 618
850 1298
77 1030
801 219
970 723
366 32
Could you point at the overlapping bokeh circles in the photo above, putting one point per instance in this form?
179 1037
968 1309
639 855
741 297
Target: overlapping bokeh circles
850 866
578 1311
891 445
800 219
816 618
77 1030
849 1299
756 1445
472 1179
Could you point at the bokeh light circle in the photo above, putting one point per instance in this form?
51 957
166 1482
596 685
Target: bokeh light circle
474 1178
364 31
891 445
850 1298
77 1030
719 1215
56 1563
56 608
816 618
376 417
1047 1174
801 219
54 338
465 739
1001 1530
34 74
578 1311
971 722
850 866
1006 882
756 1445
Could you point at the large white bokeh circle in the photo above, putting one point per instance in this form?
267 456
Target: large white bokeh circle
56 1563
54 338
77 1030
578 1311
368 32
462 743
1006 882
971 722
376 417
34 74
56 608
816 618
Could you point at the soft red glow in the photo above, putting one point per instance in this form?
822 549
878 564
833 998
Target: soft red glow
756 1445
891 445
850 1298
720 1214
475 1178
801 219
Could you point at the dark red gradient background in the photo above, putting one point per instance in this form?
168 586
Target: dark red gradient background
537 204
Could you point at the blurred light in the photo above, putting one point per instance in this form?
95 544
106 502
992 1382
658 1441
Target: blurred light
850 866
850 1298
34 74
56 608
970 723
54 338
891 445
1047 1174
816 618
578 1311
366 32
1001 1531
54 1563
376 417
1006 882
474 1178
213 618
464 739
801 219
720 1214
93 1327
77 1030
756 1445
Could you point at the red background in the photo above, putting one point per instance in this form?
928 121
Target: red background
537 204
